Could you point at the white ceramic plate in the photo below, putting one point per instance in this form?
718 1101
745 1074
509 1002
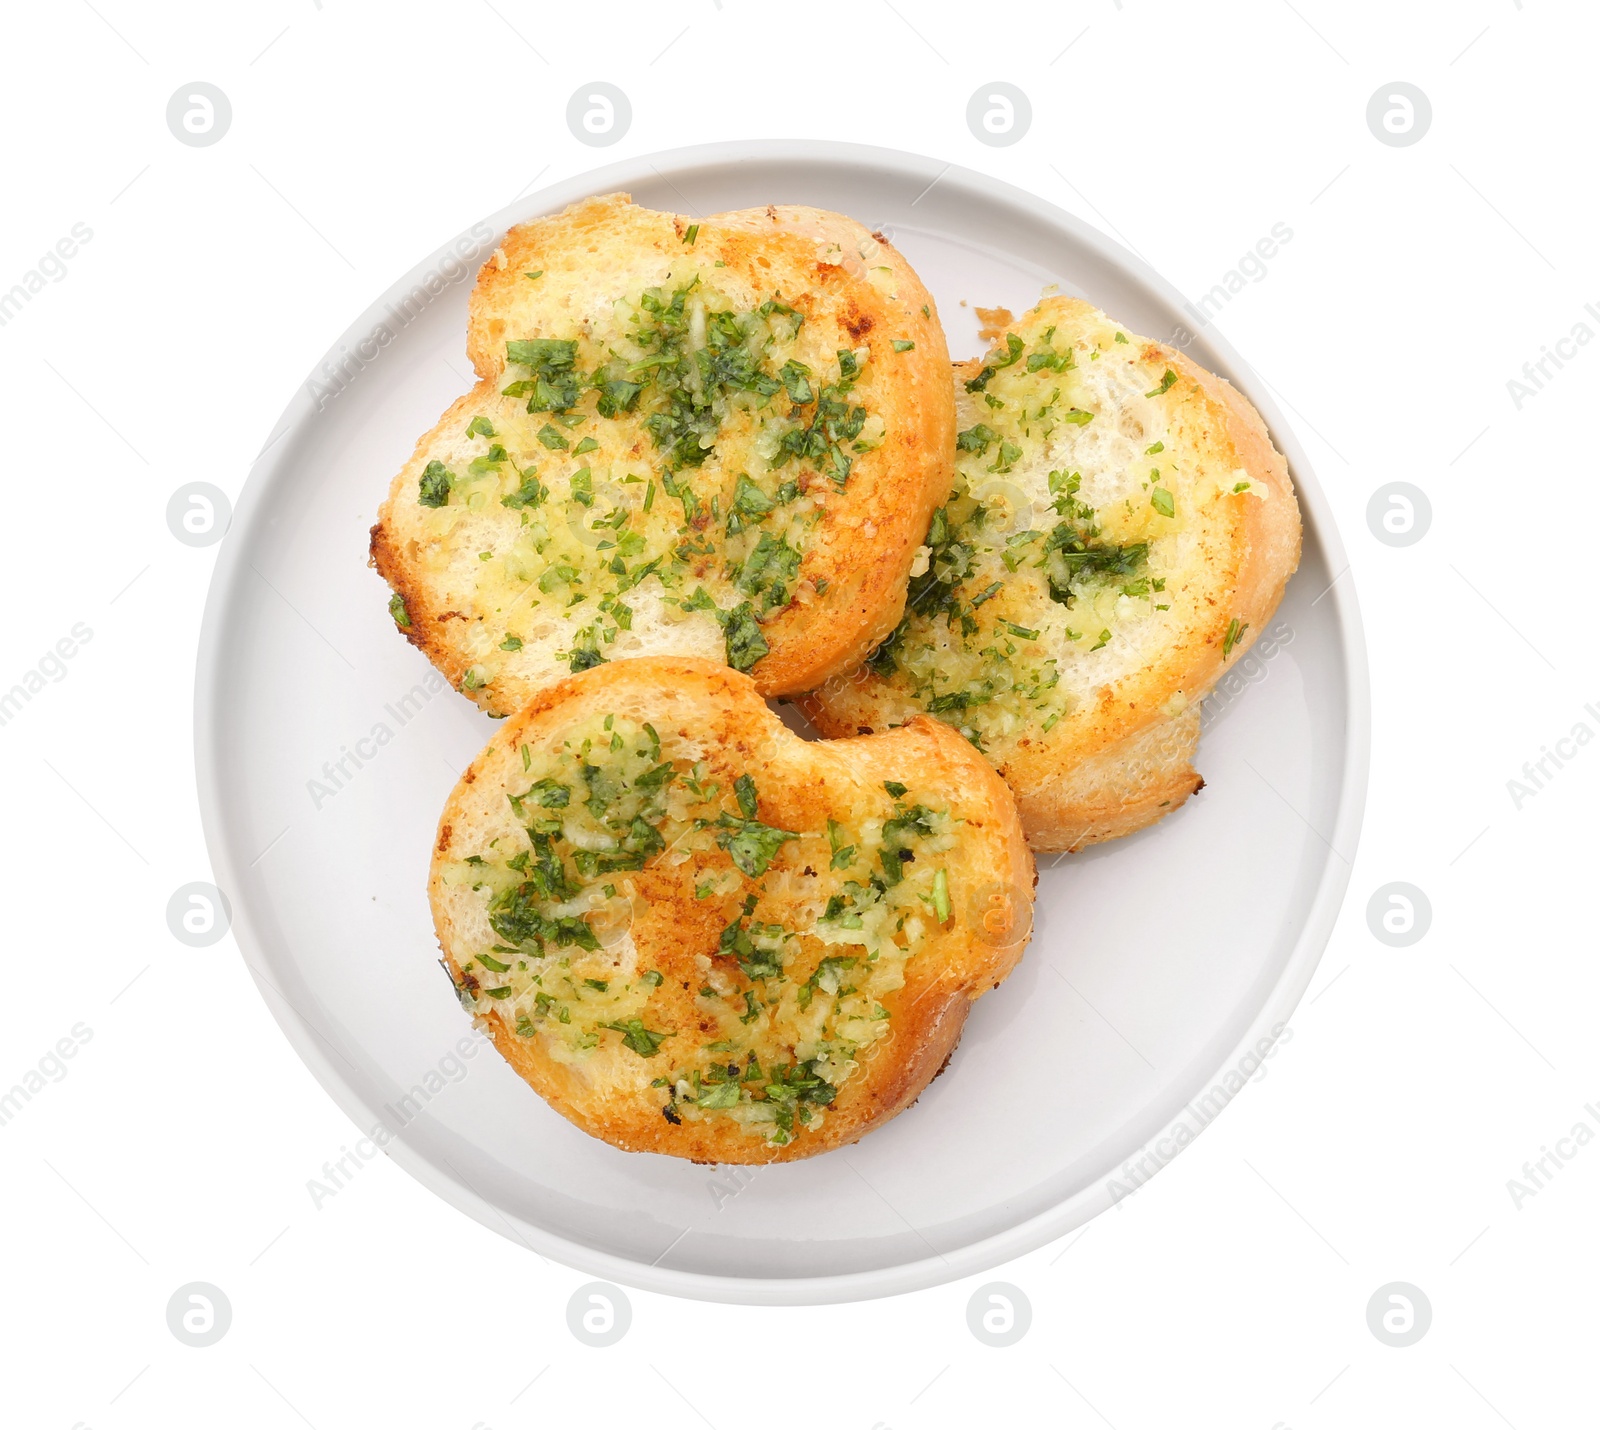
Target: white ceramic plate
1158 961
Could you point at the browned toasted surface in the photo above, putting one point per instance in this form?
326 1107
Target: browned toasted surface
718 438
658 957
1120 530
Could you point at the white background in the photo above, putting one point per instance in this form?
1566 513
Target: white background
1232 1289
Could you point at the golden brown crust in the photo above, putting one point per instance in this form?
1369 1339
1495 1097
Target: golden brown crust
427 619
801 785
1121 760
1122 789
854 291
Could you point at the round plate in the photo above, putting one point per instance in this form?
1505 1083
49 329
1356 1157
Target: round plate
1159 965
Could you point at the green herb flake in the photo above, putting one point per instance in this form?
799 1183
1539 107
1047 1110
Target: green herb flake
745 643
1167 379
1161 500
902 345
529 494
844 855
723 1094
1013 354
642 1040
1236 630
548 793
744 789
433 489
750 844
397 609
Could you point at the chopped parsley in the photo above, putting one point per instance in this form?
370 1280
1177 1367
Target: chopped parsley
644 1041
1013 354
553 384
529 494
1167 379
744 642
433 489
750 844
1235 633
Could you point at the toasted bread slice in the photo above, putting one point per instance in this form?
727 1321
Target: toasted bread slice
722 438
694 932
1120 530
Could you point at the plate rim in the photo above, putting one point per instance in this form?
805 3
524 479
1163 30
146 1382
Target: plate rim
976 1256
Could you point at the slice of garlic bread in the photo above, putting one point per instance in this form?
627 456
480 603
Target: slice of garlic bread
694 932
1120 530
720 438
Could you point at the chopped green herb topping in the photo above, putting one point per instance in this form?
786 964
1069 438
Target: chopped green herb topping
434 487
